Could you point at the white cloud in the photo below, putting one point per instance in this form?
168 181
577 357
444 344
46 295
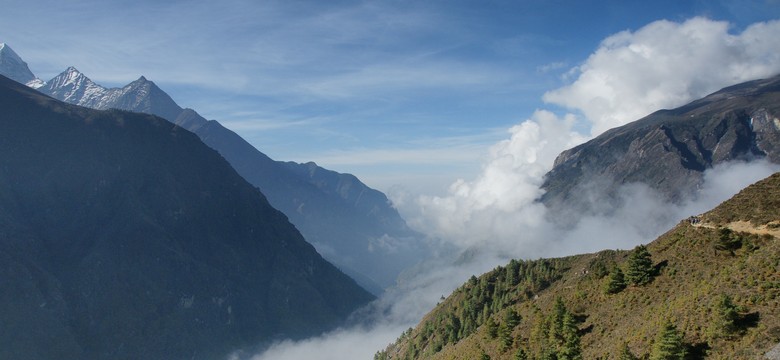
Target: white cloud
640 217
664 65
551 66
501 199
356 343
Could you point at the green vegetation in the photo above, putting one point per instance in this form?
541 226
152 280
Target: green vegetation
484 301
669 344
760 204
720 302
640 267
625 353
616 282
557 334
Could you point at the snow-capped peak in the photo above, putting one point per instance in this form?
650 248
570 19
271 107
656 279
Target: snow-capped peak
70 77
7 53
74 87
72 74
13 67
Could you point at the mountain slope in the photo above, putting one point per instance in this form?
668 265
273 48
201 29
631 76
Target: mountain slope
352 225
123 236
695 266
141 95
670 149
12 66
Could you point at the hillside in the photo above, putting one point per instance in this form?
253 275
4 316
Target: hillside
352 225
714 279
669 150
123 236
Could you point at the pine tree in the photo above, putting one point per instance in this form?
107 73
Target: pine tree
727 241
453 328
570 349
511 273
669 344
492 327
616 282
484 356
511 318
505 337
556 321
640 266
725 317
540 334
521 354
625 353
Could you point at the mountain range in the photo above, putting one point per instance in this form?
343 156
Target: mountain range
711 282
517 311
352 225
669 150
123 236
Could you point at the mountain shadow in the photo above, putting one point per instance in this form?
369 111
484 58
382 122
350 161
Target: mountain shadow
123 236
350 224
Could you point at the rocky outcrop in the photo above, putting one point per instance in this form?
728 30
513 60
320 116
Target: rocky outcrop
669 150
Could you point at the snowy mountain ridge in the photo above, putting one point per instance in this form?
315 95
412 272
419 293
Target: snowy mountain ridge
342 217
16 69
76 88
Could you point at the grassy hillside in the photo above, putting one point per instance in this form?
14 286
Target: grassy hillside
714 278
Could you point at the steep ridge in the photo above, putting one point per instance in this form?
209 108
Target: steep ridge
709 291
12 66
123 236
141 95
368 239
670 149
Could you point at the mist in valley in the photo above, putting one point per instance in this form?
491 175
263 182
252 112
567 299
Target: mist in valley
484 222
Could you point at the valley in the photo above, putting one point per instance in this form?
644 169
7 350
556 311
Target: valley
690 271
396 180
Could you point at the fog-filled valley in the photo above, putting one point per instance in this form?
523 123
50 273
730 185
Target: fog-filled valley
692 102
484 222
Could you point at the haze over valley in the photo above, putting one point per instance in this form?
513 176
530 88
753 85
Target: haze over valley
367 159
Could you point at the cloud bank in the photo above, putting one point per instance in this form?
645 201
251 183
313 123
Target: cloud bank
664 65
483 222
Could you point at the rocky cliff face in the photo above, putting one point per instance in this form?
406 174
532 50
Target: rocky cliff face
670 149
123 236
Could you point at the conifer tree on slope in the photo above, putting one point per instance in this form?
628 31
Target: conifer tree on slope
625 353
640 267
669 344
571 349
616 281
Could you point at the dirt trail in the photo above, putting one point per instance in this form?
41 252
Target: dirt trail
746 226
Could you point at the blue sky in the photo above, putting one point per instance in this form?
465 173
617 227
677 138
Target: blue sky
456 109
403 94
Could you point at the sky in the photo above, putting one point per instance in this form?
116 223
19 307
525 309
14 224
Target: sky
456 109
410 96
